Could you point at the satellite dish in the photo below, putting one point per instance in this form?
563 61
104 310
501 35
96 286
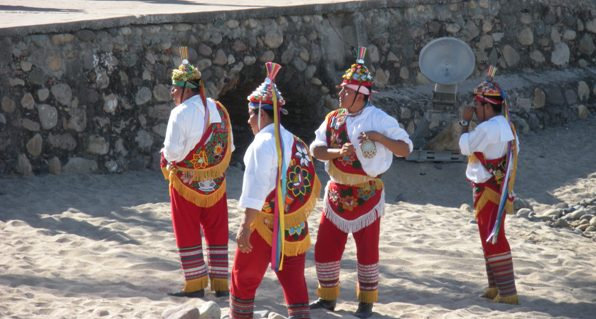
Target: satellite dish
446 61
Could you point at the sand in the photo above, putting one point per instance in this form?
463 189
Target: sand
91 246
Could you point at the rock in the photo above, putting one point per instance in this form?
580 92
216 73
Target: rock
560 223
555 35
526 36
310 71
465 208
205 50
591 25
54 166
77 120
273 39
551 214
63 93
48 116
34 145
576 214
144 140
2 120
447 139
511 56
239 46
498 36
537 56
453 28
382 78
8 105
78 165
524 213
187 312
487 26
583 112
421 79
249 60
54 63
30 125
590 229
274 315
98 145
593 221
43 94
204 64
102 80
569 35
539 98
586 44
373 54
583 91
471 31
143 96
24 166
525 18
486 42
560 55
404 73
520 203
161 93
267 56
26 66
209 310
220 58
562 206
110 103
27 101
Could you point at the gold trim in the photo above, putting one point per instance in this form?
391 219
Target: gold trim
193 196
195 284
330 294
219 284
347 178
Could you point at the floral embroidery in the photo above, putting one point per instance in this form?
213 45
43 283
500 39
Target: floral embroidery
348 160
333 196
199 160
348 202
366 192
297 230
299 181
207 186
302 155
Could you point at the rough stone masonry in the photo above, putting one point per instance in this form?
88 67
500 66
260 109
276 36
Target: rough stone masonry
95 98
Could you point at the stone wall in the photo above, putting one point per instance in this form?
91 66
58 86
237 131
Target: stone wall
92 96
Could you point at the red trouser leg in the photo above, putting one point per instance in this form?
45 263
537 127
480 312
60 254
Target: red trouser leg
367 250
187 229
329 248
499 263
248 272
214 220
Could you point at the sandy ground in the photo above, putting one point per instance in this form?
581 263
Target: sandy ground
90 246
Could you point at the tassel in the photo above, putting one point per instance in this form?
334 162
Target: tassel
195 284
331 293
277 245
490 293
361 55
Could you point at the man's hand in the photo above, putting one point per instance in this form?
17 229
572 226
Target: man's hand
243 239
346 150
370 135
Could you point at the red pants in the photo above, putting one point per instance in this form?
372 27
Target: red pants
248 271
331 242
499 264
187 220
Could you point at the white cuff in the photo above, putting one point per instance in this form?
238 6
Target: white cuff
256 204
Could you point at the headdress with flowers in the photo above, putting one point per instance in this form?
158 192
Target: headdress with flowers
358 77
262 97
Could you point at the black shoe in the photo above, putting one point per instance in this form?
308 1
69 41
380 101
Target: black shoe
323 304
194 294
364 310
222 294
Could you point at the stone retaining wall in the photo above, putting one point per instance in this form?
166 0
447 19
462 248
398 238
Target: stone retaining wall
90 97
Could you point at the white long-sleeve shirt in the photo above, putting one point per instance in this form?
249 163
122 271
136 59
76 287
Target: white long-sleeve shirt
185 127
490 138
371 119
260 159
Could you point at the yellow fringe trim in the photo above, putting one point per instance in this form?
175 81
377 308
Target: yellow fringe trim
291 248
367 296
217 170
219 284
512 300
347 178
166 173
195 284
490 293
489 195
328 293
194 197
301 214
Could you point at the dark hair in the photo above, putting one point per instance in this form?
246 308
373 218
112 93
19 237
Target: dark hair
497 108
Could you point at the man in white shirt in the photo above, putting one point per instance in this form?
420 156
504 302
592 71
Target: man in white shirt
357 143
492 149
269 214
196 153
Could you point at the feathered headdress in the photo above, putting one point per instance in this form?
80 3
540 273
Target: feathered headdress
358 77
